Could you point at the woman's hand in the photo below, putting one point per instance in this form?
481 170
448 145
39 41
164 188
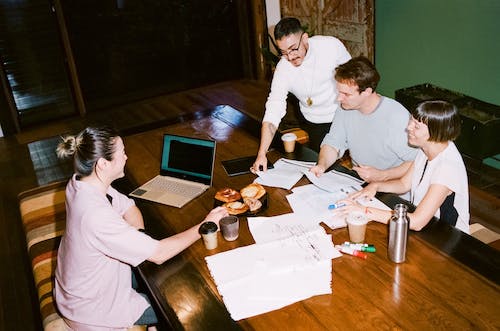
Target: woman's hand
368 192
349 206
216 214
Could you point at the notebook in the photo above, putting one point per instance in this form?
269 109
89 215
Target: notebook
186 171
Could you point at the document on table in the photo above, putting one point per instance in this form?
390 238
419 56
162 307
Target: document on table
334 181
314 201
286 173
264 289
268 229
291 264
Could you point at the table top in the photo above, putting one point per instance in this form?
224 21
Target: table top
432 289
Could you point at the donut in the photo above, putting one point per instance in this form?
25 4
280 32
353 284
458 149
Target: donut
227 195
236 207
253 190
253 204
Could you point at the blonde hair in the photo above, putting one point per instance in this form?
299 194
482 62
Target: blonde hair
68 146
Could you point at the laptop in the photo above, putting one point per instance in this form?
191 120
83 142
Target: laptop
186 171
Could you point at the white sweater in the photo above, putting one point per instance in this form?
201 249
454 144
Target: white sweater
314 79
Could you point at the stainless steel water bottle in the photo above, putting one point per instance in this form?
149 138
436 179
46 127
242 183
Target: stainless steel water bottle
398 234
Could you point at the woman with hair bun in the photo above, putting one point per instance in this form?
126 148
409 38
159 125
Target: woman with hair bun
437 180
104 237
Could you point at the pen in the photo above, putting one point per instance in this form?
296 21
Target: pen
335 206
361 247
351 251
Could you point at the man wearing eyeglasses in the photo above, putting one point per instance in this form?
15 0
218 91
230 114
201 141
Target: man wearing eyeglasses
305 70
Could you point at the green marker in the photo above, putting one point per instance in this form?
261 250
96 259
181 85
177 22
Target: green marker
361 247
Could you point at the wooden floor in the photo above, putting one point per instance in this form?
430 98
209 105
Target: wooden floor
24 164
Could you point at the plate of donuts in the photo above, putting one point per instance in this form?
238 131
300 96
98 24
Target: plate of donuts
250 200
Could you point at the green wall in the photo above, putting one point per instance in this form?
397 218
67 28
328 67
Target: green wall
454 44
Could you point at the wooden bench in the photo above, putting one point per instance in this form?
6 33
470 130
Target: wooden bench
43 214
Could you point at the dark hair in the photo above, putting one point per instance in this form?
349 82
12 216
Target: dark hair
441 117
87 147
287 26
358 70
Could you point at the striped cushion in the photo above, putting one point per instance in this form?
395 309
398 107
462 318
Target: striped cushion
44 219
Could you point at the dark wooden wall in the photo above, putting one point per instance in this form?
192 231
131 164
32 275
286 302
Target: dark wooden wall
119 51
134 49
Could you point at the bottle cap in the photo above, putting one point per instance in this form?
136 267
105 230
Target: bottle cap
369 249
207 227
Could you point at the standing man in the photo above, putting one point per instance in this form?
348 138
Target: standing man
306 70
372 127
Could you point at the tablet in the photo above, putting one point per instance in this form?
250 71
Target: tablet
241 165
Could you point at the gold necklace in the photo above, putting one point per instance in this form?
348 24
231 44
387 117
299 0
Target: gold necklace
309 100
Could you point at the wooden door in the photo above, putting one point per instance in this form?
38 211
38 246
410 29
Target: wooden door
352 21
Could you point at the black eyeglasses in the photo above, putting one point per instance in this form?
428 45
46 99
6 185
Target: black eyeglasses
293 50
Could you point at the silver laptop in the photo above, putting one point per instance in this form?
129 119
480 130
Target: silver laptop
186 171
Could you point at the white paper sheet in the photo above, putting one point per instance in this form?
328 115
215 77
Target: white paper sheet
259 278
313 201
268 229
264 292
285 174
334 181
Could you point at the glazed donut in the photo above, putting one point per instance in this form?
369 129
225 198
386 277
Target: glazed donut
227 195
236 207
253 190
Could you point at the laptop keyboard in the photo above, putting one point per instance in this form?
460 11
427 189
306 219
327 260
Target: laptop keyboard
178 188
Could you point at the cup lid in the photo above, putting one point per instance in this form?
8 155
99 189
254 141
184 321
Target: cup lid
207 227
289 136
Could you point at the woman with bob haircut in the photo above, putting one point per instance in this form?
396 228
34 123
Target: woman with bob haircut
104 237
437 180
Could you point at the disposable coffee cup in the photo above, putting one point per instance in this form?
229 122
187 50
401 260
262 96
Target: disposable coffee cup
208 231
230 227
356 223
289 141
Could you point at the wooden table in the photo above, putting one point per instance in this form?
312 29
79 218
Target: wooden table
431 290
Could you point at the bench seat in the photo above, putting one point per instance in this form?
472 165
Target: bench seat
43 214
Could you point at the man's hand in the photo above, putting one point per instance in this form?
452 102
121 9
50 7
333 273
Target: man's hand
260 164
267 133
317 170
370 174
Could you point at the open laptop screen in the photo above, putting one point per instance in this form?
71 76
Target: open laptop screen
188 158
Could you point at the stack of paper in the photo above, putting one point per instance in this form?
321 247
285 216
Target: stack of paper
292 266
285 174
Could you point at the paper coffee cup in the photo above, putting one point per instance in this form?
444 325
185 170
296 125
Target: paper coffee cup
289 141
356 223
208 231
